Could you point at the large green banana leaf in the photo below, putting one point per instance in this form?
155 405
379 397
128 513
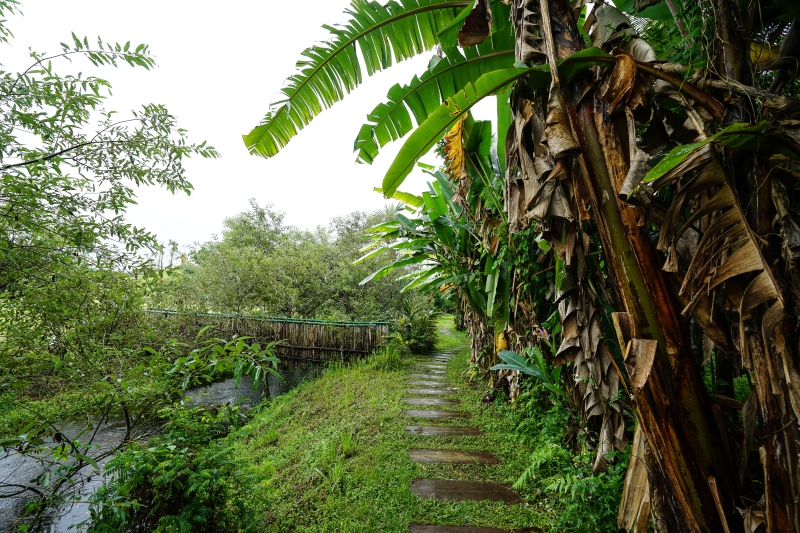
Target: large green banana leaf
391 120
378 274
407 198
384 34
441 120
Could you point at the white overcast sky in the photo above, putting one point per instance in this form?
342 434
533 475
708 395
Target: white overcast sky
219 64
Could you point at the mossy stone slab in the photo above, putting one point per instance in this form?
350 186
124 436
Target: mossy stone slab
429 371
430 391
427 376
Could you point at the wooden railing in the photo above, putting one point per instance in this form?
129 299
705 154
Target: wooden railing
302 339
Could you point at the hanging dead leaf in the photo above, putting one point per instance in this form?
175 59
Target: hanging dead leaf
639 167
477 25
610 26
623 79
639 358
754 516
557 130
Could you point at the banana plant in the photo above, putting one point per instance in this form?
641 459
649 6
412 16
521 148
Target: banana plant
437 239
435 235
531 362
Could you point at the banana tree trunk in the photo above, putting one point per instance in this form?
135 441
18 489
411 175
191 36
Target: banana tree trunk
691 479
481 341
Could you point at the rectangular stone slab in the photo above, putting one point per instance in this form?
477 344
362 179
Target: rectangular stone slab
419 528
429 371
435 413
430 401
459 491
427 376
433 367
466 457
428 383
444 431
430 391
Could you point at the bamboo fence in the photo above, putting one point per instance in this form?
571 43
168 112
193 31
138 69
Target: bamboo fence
301 339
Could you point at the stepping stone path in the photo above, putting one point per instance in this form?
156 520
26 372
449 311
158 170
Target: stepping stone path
432 377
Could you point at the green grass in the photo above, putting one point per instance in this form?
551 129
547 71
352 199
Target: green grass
373 494
449 339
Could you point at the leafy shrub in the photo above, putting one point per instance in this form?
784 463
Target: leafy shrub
586 502
185 481
417 325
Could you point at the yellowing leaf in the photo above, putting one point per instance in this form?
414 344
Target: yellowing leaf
500 342
454 151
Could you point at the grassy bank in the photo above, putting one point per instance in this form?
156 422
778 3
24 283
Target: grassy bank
309 489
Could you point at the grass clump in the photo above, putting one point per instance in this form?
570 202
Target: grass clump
389 357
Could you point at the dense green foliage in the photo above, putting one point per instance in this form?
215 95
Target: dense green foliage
188 479
76 350
261 266
561 467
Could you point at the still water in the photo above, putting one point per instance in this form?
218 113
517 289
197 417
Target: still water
20 469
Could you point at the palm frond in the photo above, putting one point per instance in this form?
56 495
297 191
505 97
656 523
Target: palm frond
383 34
